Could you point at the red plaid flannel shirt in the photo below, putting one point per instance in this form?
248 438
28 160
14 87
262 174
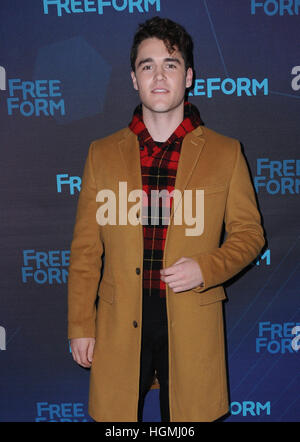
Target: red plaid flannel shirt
159 163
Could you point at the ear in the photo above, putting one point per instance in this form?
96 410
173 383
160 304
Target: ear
189 77
134 81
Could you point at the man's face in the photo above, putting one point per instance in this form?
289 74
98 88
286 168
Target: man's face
160 77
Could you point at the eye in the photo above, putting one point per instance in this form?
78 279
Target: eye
147 67
171 66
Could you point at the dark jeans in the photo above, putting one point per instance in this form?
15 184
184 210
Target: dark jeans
154 358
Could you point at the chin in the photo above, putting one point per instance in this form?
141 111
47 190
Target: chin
160 107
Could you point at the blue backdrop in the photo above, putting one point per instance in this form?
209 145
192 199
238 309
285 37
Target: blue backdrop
65 81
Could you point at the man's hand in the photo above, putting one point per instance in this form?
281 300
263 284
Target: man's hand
82 351
184 274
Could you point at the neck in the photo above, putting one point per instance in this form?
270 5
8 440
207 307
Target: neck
161 125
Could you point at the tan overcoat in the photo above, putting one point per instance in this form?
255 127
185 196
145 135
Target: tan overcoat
197 369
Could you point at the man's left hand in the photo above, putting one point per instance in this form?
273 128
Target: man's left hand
184 274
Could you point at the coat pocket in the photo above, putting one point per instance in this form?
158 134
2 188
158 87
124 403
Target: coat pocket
106 291
214 295
210 189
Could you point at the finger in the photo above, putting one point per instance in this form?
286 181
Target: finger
171 278
74 354
79 356
90 352
179 289
167 271
175 285
83 358
173 269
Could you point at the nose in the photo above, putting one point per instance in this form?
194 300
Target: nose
159 73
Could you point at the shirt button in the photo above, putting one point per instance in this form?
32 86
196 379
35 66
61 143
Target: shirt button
137 270
135 324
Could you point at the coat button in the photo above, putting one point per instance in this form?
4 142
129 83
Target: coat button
137 270
135 324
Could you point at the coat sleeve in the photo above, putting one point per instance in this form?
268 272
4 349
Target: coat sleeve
244 233
85 259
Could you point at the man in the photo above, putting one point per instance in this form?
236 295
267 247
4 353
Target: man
159 316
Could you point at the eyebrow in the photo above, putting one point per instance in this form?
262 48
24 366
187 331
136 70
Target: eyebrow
150 60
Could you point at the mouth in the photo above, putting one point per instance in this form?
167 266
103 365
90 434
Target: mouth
159 91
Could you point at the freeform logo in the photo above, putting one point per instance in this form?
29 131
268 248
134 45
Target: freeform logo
2 338
278 338
250 408
296 79
278 177
2 79
264 257
138 213
296 340
35 98
63 412
73 183
45 267
83 6
230 86
276 7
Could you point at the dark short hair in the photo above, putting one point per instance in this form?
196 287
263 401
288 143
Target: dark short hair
172 35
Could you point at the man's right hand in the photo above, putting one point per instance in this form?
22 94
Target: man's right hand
82 351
